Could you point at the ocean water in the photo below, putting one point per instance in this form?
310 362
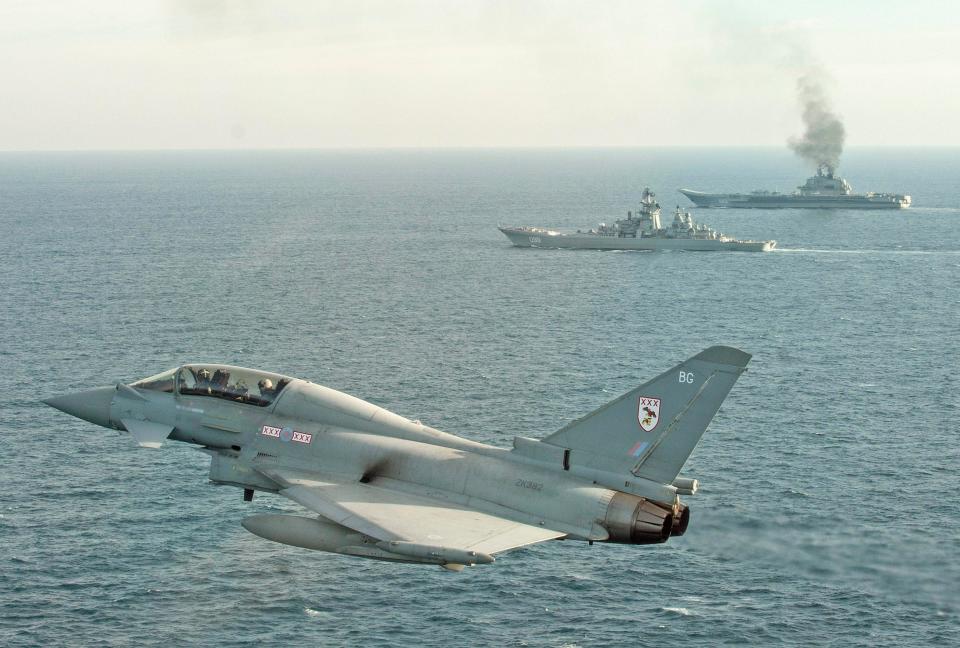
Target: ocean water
830 501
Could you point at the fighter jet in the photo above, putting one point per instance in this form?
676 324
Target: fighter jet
381 486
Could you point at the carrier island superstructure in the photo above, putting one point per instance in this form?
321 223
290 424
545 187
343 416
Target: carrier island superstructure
825 190
640 231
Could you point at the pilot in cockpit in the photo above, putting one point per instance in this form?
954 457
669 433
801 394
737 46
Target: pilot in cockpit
238 390
203 380
220 379
266 389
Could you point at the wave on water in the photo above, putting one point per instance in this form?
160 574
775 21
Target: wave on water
829 251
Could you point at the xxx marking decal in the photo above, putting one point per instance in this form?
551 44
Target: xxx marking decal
286 434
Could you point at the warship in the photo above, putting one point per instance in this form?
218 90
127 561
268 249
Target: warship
640 231
825 190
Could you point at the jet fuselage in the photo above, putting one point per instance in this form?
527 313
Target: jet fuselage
383 486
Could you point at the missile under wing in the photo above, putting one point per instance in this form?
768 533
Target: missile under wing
381 486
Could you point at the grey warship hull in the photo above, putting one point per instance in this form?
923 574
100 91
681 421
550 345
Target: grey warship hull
791 201
543 238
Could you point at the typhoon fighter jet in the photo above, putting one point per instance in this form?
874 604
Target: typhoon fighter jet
381 486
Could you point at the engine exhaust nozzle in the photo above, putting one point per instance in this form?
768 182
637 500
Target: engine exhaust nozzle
635 520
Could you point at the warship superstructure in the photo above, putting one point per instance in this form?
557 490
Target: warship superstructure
640 231
825 190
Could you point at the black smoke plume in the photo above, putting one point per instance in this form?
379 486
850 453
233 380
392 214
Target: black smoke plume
822 140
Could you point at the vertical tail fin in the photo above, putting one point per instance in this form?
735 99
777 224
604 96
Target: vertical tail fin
651 430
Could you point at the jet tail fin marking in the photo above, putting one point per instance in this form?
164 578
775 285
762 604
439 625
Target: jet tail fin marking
651 430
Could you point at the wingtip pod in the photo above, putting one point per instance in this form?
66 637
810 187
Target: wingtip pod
724 355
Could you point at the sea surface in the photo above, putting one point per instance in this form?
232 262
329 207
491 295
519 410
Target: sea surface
829 513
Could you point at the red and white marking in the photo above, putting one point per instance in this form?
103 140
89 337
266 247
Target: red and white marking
275 432
648 413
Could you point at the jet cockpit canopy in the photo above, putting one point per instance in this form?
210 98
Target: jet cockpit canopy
162 382
237 384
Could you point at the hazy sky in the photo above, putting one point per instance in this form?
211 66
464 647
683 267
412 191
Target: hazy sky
122 74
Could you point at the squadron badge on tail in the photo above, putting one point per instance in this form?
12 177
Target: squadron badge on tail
648 413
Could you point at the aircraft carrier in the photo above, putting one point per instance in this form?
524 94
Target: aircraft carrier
640 231
825 190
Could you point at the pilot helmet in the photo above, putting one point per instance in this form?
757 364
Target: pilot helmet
266 383
203 374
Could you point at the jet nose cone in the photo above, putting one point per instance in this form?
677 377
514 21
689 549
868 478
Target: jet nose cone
92 405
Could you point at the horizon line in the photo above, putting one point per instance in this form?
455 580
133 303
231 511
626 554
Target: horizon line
507 147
